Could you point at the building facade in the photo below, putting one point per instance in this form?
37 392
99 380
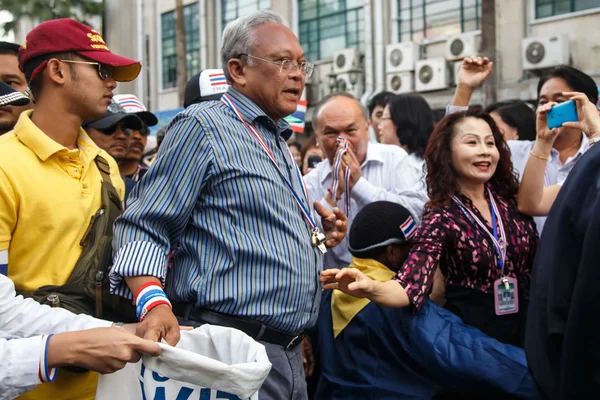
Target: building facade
352 42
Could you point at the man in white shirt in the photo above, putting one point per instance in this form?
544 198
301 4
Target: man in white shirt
375 173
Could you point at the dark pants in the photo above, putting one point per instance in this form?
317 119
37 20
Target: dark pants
286 380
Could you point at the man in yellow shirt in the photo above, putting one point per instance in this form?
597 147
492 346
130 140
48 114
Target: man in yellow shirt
50 185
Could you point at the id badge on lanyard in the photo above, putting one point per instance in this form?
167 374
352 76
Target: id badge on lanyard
506 291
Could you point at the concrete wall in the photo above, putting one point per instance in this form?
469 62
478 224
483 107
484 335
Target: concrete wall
584 34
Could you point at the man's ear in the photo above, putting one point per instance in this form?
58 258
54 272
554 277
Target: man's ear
236 69
55 71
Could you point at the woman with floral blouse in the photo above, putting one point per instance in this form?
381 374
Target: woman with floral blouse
471 230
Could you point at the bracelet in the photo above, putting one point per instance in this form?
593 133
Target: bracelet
540 157
45 374
149 296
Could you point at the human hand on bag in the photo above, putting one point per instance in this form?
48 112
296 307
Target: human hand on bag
160 323
104 350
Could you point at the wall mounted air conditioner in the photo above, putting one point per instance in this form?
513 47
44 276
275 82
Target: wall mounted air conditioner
431 74
343 85
400 82
545 51
463 45
401 57
344 60
455 70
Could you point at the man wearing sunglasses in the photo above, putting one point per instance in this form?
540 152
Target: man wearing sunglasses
132 165
112 134
50 183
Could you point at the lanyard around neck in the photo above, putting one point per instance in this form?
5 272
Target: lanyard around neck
499 243
303 208
336 172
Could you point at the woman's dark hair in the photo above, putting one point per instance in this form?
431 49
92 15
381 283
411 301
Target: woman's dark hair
441 177
380 99
518 115
413 119
576 79
296 145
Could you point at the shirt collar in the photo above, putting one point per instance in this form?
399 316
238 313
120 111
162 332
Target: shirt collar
583 147
373 156
42 145
253 113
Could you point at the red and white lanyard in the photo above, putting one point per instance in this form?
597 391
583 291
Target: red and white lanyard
304 209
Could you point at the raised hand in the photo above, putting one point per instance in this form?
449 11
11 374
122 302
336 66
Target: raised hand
474 71
589 117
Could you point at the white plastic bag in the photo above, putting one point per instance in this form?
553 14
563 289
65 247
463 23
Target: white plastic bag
209 363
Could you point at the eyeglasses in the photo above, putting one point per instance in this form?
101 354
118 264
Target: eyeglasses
112 129
145 131
288 66
104 71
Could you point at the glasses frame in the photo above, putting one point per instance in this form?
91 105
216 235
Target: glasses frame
104 71
306 68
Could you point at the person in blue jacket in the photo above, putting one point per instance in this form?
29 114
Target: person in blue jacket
372 352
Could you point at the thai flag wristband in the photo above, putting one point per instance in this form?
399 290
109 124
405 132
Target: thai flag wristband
46 374
149 296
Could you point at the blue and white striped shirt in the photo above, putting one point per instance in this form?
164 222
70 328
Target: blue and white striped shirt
244 246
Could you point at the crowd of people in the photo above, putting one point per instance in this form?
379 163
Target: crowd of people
393 255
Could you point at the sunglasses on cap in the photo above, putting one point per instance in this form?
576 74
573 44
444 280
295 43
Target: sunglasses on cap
127 131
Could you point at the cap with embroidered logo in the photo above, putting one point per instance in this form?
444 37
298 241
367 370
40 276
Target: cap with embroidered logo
67 35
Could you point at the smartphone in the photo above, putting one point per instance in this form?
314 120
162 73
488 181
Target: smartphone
312 161
561 113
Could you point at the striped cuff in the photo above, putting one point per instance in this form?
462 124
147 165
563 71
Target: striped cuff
137 259
45 374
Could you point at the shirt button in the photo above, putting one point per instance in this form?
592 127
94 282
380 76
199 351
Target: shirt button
76 170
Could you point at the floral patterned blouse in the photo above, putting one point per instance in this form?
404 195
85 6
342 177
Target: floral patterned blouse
449 240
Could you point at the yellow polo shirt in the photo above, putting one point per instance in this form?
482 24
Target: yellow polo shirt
48 195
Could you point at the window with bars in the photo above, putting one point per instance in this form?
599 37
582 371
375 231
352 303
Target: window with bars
232 9
549 8
420 19
330 25
169 44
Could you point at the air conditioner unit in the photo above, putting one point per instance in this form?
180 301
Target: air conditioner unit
344 60
456 68
400 82
545 51
343 85
431 74
401 57
463 45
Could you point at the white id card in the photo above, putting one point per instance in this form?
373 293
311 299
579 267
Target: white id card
506 296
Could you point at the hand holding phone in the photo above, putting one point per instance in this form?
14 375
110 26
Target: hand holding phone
561 113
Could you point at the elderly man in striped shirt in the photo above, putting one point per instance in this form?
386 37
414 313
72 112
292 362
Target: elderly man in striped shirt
225 189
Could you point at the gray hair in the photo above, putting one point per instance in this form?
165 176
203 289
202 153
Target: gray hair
238 36
328 98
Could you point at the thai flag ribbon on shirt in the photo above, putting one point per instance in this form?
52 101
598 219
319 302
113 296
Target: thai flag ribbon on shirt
304 209
499 243
336 171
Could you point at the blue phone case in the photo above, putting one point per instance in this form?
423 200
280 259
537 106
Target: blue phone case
561 113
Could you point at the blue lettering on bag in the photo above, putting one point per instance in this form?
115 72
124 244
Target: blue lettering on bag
184 392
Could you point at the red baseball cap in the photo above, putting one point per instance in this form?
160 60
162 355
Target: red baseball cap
67 35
